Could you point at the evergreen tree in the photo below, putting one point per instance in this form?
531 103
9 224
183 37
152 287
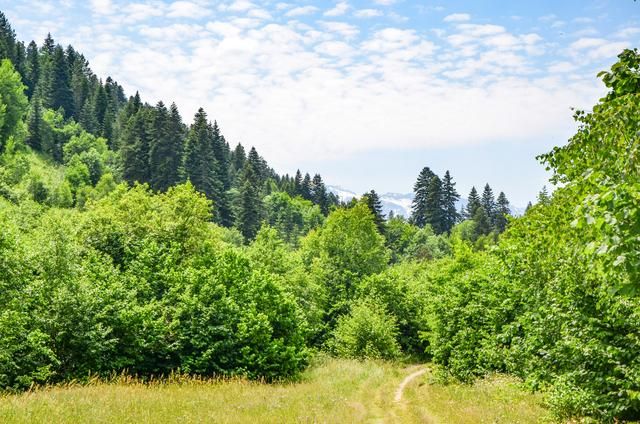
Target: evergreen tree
165 154
473 203
420 200
134 148
482 221
320 194
449 199
374 204
221 154
238 158
434 211
488 202
543 196
61 94
35 125
502 210
199 161
248 203
305 188
49 45
32 68
100 107
297 183
7 40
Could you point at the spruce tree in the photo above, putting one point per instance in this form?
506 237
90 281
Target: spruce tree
134 148
488 202
483 223
449 199
305 189
35 125
502 211
319 194
32 69
199 161
374 204
543 196
473 203
7 39
248 203
297 183
165 154
221 154
238 158
434 211
61 94
420 199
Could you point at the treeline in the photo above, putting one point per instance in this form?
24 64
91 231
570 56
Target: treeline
150 144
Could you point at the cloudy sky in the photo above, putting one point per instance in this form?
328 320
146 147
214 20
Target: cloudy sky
366 92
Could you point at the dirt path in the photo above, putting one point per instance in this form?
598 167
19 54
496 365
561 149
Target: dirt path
407 380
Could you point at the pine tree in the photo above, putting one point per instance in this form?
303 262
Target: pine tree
420 200
297 183
319 194
100 107
134 148
374 204
49 45
434 211
222 156
7 40
165 154
32 68
248 203
35 125
238 158
449 199
488 202
61 94
482 221
543 196
199 162
305 188
473 203
502 211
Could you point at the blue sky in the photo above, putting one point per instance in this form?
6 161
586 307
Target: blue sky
364 92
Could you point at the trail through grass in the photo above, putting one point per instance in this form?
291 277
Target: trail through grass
335 391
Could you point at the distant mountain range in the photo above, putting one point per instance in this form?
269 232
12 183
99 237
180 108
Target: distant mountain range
399 203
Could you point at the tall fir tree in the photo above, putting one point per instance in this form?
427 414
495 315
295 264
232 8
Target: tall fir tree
7 39
434 211
61 94
502 211
221 154
165 153
420 199
319 194
199 161
32 68
238 158
248 203
374 204
488 202
35 125
134 148
297 183
473 203
306 187
449 199
543 196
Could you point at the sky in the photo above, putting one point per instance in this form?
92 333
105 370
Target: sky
364 92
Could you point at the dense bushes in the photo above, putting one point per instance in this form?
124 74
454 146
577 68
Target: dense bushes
137 282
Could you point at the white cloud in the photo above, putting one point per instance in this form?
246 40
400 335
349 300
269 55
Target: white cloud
342 28
340 9
187 9
303 10
367 13
102 7
457 17
385 2
627 32
597 48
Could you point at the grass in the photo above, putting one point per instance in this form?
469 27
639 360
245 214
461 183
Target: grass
334 391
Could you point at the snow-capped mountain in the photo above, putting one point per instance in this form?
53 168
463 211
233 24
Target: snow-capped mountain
400 203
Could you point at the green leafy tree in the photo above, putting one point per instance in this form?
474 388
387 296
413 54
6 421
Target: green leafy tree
13 102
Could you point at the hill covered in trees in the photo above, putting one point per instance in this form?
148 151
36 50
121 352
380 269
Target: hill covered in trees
133 241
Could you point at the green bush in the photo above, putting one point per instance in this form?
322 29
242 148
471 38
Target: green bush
367 332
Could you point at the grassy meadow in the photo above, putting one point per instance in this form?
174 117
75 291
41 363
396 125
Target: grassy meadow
333 391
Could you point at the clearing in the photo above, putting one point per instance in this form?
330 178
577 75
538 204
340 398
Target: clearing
333 391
